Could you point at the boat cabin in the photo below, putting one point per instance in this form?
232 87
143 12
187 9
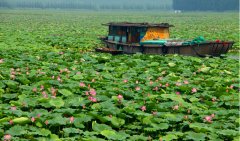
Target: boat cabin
125 32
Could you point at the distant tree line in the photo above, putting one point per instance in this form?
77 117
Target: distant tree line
206 5
90 4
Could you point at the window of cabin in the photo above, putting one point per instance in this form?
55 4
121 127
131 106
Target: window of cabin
118 33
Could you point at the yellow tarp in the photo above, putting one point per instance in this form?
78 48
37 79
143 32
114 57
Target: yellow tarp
156 33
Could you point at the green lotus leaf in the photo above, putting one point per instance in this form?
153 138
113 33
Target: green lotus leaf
110 134
78 77
17 130
68 131
171 64
228 132
100 127
205 69
153 64
169 137
21 120
195 136
117 122
56 102
65 92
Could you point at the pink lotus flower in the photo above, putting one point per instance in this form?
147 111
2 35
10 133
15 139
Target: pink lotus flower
44 94
185 82
53 77
34 89
12 77
1 61
137 88
194 90
33 119
154 113
125 81
160 78
150 82
178 93
176 107
61 53
13 72
78 73
59 79
231 87
53 91
208 119
7 137
81 84
120 97
178 84
160 85
71 119
46 122
42 87
213 99
93 80
93 99
87 93
155 89
11 122
167 84
93 92
212 115
13 108
143 108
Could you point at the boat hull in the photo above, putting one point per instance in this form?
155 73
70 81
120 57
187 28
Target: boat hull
201 49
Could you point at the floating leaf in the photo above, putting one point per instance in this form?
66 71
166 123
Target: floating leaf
57 102
117 122
110 134
171 64
169 137
100 127
228 132
205 69
195 136
21 120
65 92
17 130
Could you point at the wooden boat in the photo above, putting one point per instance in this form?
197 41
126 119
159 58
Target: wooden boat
148 38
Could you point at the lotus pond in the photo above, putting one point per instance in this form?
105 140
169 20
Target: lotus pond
52 87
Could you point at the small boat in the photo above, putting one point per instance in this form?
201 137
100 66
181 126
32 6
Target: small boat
109 50
146 38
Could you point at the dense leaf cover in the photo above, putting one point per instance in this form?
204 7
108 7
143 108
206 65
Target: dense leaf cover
59 92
